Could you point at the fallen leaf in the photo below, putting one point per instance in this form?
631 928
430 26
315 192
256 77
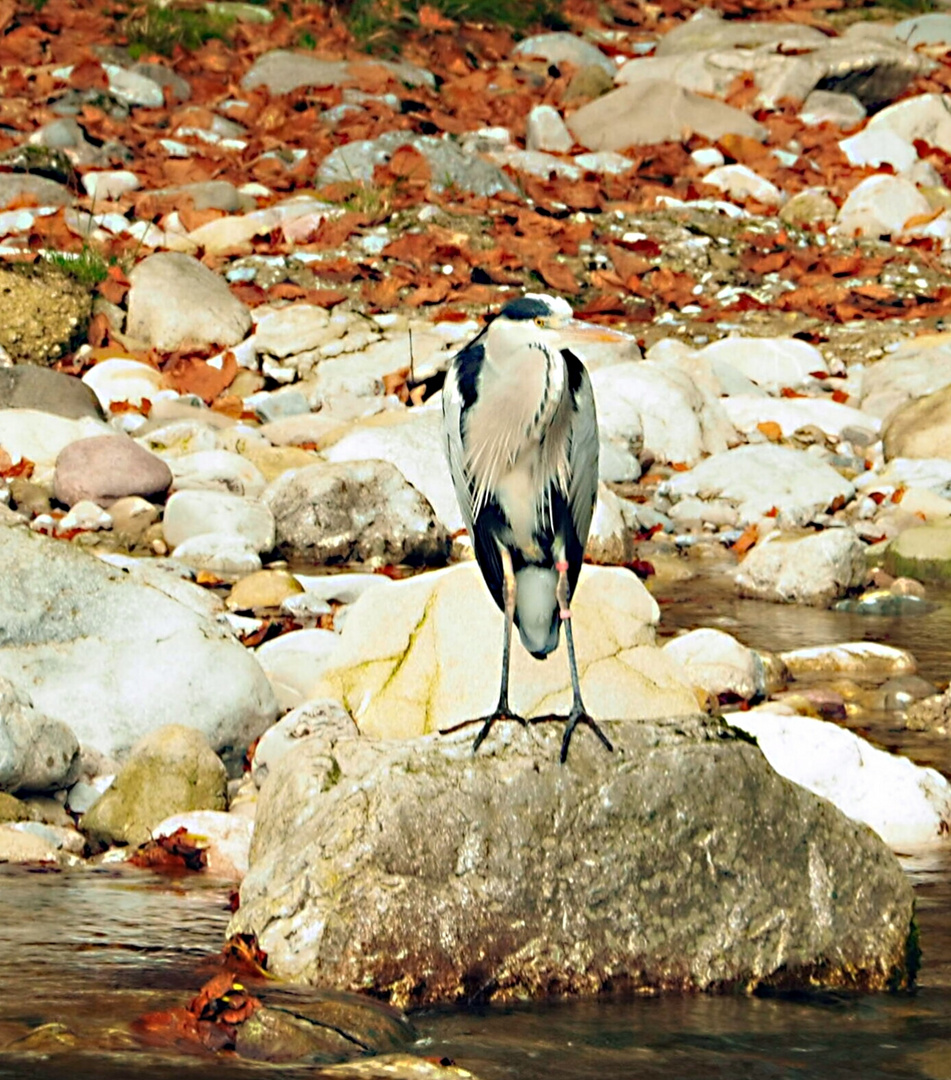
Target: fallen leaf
747 539
770 429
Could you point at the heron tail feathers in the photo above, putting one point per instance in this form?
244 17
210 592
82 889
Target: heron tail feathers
536 609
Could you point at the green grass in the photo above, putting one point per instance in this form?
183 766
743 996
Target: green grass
89 267
153 29
379 24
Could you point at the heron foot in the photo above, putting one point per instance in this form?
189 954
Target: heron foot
579 716
502 712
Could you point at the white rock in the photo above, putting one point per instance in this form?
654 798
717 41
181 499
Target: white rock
85 792
413 441
225 839
924 116
179 437
284 737
881 205
814 569
717 663
905 804
134 88
407 655
216 470
856 658
707 157
344 588
218 553
758 478
610 540
294 663
194 513
40 437
84 515
740 182
18 845
110 184
114 657
771 363
792 414
118 379
879 148
658 407
545 130
294 329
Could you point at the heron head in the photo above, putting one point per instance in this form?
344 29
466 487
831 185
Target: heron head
545 320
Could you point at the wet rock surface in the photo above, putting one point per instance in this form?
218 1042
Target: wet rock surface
367 850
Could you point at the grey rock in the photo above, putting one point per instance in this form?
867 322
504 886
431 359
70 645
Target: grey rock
175 301
814 569
67 135
282 71
17 722
105 468
27 386
832 107
353 512
163 76
193 513
450 165
169 771
133 87
94 647
210 195
654 111
14 186
708 30
561 47
422 874
36 753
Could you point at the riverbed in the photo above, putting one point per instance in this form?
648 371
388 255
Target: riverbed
84 952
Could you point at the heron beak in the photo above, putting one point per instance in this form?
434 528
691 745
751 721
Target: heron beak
581 333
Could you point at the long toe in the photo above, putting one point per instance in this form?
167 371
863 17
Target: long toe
574 720
488 721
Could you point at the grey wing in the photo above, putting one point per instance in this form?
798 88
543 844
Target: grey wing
452 406
583 455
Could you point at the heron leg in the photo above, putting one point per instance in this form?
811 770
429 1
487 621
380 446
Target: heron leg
502 710
578 714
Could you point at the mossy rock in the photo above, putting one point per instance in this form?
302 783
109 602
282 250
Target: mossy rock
170 771
44 313
922 552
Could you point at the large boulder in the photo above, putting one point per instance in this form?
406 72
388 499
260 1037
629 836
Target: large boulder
114 657
425 654
422 873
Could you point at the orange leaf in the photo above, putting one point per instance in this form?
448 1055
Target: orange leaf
788 392
840 396
432 19
770 429
746 539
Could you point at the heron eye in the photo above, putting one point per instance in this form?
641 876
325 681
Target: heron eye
539 320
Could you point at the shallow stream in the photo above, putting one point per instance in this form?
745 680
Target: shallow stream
94 949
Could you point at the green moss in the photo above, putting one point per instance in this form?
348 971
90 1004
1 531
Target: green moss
903 976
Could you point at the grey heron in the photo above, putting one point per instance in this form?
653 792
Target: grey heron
522 442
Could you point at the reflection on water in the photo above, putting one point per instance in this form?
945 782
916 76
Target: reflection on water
94 949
